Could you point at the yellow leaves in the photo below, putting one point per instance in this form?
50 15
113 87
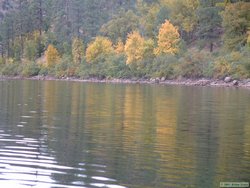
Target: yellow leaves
168 39
134 47
51 55
100 46
77 50
137 48
119 47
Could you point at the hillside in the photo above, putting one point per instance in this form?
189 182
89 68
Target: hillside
140 38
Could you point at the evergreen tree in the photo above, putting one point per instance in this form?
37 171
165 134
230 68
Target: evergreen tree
209 23
236 23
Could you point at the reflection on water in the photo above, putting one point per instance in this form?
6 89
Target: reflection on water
66 134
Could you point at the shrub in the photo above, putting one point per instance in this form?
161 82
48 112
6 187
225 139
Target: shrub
195 64
163 66
30 69
2 60
222 68
96 69
11 69
245 60
44 71
233 64
116 67
65 68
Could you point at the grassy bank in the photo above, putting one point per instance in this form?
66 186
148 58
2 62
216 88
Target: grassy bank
193 64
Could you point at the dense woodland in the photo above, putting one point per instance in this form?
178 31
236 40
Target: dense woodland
125 38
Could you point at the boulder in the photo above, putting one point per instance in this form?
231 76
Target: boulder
101 77
163 79
202 82
235 82
155 80
228 79
134 79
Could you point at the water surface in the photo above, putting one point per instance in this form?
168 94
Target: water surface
71 134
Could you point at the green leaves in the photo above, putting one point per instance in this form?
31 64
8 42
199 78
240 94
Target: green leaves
236 23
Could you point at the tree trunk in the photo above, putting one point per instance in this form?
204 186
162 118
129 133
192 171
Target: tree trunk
40 17
211 47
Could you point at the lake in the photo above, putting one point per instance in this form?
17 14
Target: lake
73 134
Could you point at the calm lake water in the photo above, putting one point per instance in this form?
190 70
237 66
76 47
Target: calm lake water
70 134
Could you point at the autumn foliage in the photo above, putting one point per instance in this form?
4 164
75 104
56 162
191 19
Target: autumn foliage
168 39
134 47
126 39
52 56
119 47
100 46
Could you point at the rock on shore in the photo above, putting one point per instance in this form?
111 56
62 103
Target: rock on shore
163 81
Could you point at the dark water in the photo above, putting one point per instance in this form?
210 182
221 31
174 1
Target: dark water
66 134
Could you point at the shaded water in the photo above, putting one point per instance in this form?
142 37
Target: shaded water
69 134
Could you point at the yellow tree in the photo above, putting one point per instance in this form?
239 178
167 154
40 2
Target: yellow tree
134 47
168 39
52 56
119 47
77 50
100 46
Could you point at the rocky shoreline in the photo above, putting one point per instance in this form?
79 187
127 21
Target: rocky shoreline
227 82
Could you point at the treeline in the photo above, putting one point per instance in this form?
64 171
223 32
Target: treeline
125 39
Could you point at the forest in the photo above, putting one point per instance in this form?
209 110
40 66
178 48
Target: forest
125 39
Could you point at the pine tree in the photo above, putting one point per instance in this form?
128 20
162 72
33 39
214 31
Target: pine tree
209 23
236 23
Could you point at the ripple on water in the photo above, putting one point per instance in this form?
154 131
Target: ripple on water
27 117
22 165
106 185
102 178
27 162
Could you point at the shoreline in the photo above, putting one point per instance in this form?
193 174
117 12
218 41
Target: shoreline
157 81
